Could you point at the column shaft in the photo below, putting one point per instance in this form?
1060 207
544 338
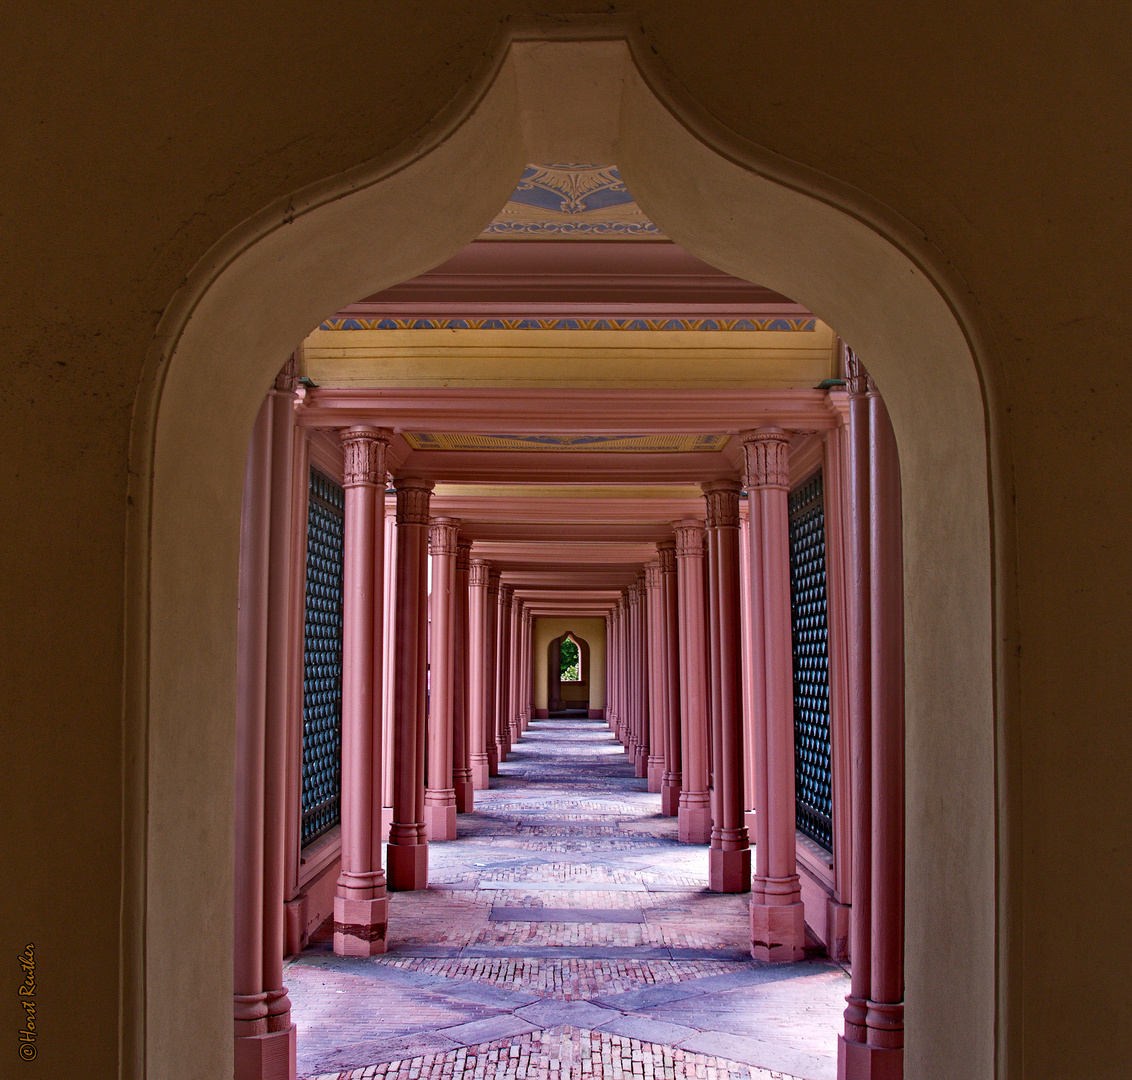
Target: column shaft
656 677
502 729
778 930
461 747
360 903
492 687
730 858
479 656
694 811
670 644
440 793
408 839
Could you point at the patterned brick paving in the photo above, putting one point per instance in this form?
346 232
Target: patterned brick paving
463 993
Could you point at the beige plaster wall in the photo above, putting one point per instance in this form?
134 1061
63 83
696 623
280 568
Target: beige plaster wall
593 630
991 137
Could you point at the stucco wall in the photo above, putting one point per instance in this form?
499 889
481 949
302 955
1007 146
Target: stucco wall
139 139
593 630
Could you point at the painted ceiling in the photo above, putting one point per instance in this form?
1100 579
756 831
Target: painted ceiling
571 202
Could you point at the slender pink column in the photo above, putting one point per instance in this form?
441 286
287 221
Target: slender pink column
514 682
729 861
627 672
611 707
526 707
694 811
478 671
408 839
617 661
656 676
670 664
852 1057
638 615
492 670
885 1017
388 665
440 793
502 730
360 903
461 747
778 929
264 1035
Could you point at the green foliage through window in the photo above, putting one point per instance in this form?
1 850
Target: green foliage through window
571 669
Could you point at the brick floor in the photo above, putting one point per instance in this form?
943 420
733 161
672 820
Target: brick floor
566 828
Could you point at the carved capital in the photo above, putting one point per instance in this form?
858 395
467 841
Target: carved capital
412 501
443 536
492 581
722 498
288 377
463 554
666 549
768 458
478 572
689 538
363 455
652 575
506 593
858 379
633 595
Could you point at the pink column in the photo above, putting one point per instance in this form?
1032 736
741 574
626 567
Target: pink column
778 929
360 904
440 793
502 728
526 707
729 861
694 812
639 745
670 643
388 666
616 659
461 748
656 676
514 692
479 673
408 839
264 1047
611 670
492 687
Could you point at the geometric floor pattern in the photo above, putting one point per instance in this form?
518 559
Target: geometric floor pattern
565 934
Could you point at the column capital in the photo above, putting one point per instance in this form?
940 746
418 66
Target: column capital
478 572
768 459
506 595
463 553
634 592
859 381
412 501
666 549
493 576
689 538
363 455
652 575
443 535
722 498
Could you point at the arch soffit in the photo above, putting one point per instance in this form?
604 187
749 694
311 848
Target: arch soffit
349 239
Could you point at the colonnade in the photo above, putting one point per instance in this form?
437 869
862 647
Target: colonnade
437 687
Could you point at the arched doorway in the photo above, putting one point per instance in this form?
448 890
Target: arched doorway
568 673
788 231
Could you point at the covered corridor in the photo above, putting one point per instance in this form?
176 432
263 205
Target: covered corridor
567 930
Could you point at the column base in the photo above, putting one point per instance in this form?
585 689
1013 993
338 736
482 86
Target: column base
516 731
641 762
481 769
729 871
693 821
502 749
858 1061
778 932
655 770
265 1057
669 797
465 794
440 814
407 867
359 926
492 761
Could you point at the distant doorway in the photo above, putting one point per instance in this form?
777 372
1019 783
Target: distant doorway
568 673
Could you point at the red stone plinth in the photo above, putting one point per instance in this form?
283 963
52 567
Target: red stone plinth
778 932
407 867
481 770
729 871
265 1057
492 761
440 814
858 1061
641 762
655 771
669 797
465 795
359 926
694 820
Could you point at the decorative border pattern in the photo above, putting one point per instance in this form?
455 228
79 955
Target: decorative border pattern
639 444
804 325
